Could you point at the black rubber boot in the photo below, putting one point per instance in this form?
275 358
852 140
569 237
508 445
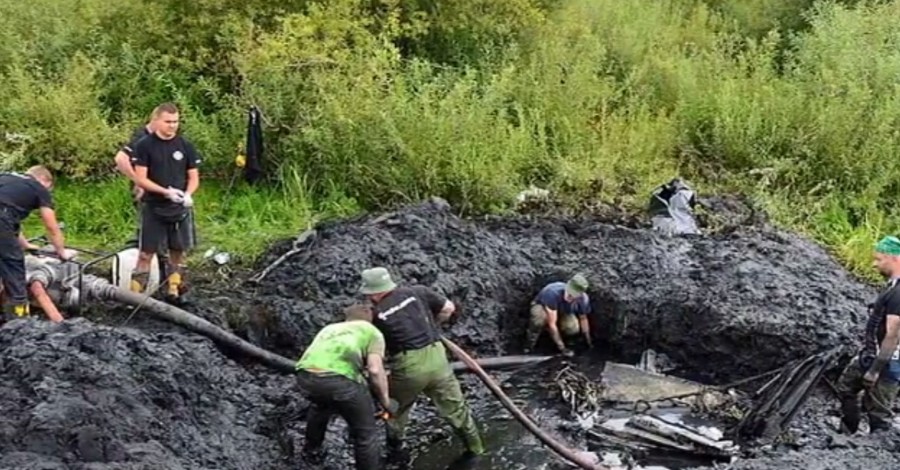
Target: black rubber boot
313 456
397 455
850 418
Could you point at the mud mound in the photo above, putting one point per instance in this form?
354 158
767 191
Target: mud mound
83 396
736 303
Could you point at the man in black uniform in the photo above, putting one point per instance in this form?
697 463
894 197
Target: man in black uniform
123 164
876 370
166 167
19 195
408 318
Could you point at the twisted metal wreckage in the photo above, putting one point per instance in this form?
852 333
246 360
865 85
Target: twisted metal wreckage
639 409
648 393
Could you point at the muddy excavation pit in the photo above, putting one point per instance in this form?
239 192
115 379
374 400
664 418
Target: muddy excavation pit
118 390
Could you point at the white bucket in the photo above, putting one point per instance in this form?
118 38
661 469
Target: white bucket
121 271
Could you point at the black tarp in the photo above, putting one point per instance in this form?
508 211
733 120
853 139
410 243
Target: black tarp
253 169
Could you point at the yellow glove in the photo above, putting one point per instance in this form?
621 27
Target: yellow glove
240 161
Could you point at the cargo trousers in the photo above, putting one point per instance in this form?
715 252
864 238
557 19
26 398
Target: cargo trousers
568 324
331 395
876 402
12 268
428 371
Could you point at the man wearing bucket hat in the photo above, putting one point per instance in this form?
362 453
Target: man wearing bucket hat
408 318
560 306
876 370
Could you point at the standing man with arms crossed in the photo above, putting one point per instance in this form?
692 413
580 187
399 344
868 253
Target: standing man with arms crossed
19 195
408 317
166 168
876 370
330 372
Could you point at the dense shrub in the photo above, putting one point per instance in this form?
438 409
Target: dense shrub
368 103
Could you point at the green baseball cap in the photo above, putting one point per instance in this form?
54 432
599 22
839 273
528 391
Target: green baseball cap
376 280
889 245
577 285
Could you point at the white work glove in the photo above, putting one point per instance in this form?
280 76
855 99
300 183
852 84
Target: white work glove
188 200
175 195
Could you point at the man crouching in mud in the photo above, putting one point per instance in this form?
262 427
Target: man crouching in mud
330 372
877 368
407 316
560 306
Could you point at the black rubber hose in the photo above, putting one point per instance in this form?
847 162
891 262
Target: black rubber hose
280 363
196 324
559 448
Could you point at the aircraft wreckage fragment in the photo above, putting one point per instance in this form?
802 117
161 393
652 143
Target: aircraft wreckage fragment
766 414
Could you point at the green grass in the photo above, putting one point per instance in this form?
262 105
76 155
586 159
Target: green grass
242 221
368 104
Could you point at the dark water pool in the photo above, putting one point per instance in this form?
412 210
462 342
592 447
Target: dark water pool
510 445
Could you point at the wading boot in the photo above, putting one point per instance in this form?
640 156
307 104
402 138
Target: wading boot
139 281
312 457
14 311
397 455
850 418
531 339
468 460
175 286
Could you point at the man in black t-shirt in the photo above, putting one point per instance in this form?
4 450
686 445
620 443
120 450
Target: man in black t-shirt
166 167
19 195
408 319
124 156
876 369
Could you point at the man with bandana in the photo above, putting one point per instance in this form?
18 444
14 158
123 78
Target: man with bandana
876 370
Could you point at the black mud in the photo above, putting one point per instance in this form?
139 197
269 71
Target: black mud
84 396
728 305
142 395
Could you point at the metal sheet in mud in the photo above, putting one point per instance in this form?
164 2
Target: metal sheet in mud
627 384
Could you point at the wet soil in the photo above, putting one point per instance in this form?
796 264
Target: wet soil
126 392
735 303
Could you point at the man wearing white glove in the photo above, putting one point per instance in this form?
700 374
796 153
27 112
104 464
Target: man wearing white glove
166 167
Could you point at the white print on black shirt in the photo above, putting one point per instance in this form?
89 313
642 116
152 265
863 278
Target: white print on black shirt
385 314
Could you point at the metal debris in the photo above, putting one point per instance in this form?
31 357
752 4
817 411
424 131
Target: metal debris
644 390
777 402
666 432
583 395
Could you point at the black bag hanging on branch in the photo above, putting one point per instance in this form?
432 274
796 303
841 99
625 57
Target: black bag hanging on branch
253 170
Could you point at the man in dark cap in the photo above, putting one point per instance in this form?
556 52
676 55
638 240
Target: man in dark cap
876 370
408 318
560 306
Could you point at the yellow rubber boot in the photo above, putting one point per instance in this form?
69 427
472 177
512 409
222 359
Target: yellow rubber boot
22 310
174 284
139 281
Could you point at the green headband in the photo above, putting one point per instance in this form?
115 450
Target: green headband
889 245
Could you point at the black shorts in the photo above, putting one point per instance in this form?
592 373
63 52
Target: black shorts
156 233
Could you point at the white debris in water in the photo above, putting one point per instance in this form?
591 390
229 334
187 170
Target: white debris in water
612 459
617 424
587 421
711 432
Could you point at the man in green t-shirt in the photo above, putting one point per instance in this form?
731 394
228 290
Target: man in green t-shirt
331 373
